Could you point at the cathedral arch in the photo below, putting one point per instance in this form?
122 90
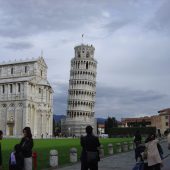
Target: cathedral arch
87 55
87 66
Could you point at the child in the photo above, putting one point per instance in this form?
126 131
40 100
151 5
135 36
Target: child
16 161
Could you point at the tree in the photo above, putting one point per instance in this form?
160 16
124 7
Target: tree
110 123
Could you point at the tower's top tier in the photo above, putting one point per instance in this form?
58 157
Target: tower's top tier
84 51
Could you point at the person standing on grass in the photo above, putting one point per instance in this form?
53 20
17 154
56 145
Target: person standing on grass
26 145
16 160
1 136
89 143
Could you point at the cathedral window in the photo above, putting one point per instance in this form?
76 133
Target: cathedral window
39 90
41 73
3 88
10 88
12 70
26 69
19 87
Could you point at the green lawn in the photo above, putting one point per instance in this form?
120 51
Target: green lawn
43 146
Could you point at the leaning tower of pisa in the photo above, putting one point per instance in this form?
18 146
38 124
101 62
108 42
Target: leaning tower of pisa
81 93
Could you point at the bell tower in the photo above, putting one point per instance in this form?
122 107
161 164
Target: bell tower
81 93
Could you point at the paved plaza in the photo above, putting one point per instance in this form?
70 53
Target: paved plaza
122 161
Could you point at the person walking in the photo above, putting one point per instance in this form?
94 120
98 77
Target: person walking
137 138
1 136
26 145
90 154
153 155
168 139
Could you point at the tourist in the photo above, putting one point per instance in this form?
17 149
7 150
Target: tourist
137 138
90 145
1 136
26 147
153 155
168 139
16 161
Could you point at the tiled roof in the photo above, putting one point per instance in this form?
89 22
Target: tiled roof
164 111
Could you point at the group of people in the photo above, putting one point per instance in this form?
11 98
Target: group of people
21 157
148 155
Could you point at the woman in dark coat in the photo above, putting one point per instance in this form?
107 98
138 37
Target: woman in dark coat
26 148
90 144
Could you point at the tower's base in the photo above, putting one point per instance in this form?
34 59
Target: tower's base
77 126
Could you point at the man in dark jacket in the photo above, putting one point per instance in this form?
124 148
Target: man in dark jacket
1 136
90 144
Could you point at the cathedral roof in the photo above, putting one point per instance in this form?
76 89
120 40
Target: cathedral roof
44 82
23 61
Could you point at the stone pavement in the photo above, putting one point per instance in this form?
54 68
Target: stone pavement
121 161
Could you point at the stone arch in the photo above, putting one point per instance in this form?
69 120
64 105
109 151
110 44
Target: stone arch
87 65
87 54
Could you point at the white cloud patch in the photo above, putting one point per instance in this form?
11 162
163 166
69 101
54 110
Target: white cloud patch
131 39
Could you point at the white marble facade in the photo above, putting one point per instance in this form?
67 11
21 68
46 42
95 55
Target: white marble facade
81 93
25 98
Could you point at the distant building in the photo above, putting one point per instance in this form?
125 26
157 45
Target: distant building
81 93
25 98
161 121
165 119
138 121
156 122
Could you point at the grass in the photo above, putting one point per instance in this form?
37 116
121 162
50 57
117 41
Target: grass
43 147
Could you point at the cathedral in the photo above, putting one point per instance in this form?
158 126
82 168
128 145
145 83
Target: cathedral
81 93
26 98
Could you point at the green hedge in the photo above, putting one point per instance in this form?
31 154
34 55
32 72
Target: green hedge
130 131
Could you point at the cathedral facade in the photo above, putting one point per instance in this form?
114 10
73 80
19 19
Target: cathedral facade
25 98
81 93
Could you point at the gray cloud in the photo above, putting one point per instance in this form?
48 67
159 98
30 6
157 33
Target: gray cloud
116 101
24 18
126 102
131 49
161 20
19 45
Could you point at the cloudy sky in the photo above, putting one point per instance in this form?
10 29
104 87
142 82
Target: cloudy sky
131 40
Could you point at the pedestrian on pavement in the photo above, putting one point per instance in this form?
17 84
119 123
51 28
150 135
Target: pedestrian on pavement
90 152
137 138
153 155
1 136
26 148
168 139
